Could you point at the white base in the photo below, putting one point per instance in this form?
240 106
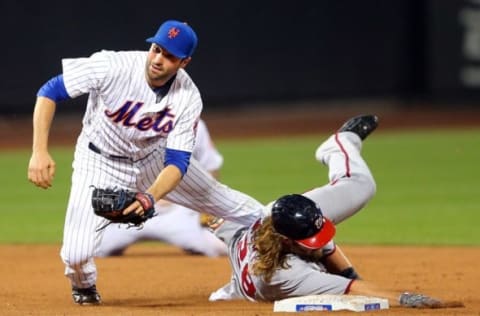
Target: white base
328 302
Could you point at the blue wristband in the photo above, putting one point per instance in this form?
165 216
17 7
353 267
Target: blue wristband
178 158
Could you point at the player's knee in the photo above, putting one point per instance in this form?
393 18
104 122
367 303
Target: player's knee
371 187
75 260
366 188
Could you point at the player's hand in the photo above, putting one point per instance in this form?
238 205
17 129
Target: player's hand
134 207
41 169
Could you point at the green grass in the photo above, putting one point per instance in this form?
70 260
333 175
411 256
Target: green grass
427 192
30 214
427 186
427 189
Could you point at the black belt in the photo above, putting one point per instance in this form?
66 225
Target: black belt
97 150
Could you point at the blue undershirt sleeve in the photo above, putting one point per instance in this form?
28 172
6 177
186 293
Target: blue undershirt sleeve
178 158
54 89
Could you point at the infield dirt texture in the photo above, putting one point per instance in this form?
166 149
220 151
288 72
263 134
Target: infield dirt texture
156 279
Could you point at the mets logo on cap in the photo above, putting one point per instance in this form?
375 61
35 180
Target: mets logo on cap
173 32
176 37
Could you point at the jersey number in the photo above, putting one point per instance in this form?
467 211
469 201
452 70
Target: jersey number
246 281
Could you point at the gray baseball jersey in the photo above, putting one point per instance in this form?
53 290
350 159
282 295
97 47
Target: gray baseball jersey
301 278
351 186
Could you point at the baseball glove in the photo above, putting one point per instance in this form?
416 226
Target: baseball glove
423 301
110 204
211 222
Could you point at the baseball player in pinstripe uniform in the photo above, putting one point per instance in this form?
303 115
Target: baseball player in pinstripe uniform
290 252
138 134
174 224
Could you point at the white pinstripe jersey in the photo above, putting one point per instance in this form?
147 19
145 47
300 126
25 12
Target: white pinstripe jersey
122 116
205 151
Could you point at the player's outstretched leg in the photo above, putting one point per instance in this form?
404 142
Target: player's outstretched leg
351 184
361 126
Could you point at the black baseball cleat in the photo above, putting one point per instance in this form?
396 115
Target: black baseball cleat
361 125
88 296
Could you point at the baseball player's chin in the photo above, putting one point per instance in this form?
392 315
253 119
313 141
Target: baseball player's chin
157 78
156 71
153 73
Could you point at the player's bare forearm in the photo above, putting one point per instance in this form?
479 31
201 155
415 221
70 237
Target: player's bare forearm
42 121
337 261
166 181
359 287
404 299
41 168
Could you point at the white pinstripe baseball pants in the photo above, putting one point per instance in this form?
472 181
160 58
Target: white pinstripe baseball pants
197 190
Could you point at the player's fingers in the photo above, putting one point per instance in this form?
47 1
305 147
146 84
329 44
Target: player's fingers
51 170
36 177
46 179
128 210
140 211
32 175
48 176
41 171
131 208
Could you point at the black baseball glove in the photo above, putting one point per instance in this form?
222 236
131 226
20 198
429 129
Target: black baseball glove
110 204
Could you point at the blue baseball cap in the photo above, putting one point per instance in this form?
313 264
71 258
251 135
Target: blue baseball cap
176 37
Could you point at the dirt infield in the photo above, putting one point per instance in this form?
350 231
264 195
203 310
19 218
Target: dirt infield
161 280
154 279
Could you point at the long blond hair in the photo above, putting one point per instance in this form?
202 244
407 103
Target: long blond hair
271 254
